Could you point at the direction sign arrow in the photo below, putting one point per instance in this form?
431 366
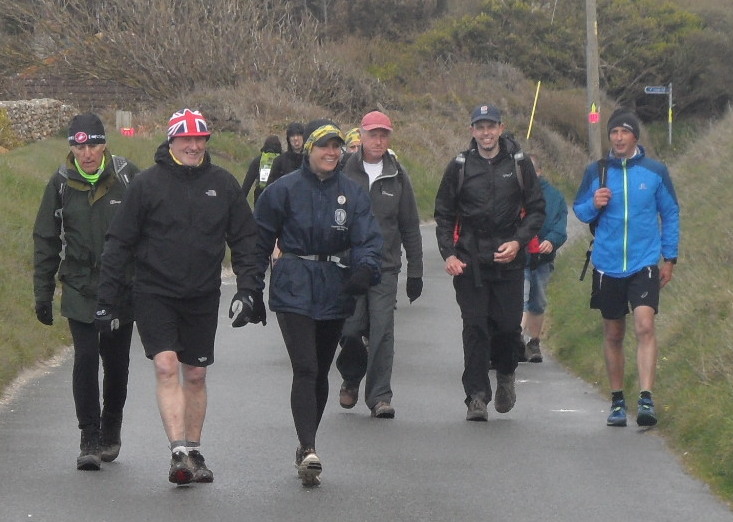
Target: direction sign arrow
656 89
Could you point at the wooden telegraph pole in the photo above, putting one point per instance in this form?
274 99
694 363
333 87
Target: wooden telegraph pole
592 80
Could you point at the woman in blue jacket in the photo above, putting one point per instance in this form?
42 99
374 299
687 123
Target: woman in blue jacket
330 244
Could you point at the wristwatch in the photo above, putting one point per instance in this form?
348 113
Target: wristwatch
672 260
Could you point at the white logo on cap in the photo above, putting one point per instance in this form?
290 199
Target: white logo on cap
81 137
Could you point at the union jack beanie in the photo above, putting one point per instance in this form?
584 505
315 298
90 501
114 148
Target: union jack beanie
187 123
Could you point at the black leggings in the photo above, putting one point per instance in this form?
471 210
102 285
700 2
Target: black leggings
311 345
114 349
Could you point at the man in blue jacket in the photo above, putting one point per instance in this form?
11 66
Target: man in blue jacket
637 222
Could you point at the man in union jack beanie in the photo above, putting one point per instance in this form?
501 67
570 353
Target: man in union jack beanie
175 223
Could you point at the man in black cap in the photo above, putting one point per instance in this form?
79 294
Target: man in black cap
77 207
636 216
488 207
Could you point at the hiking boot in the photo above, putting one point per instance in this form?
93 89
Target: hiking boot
618 413
348 396
383 410
477 411
309 469
534 355
180 472
646 415
505 395
200 472
89 459
110 441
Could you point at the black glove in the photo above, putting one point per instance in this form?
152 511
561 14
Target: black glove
414 288
248 307
44 312
106 319
359 281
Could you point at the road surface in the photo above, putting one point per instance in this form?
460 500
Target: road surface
551 458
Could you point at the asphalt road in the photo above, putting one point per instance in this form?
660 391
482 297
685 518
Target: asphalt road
551 458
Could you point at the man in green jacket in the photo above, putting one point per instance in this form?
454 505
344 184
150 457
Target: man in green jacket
77 207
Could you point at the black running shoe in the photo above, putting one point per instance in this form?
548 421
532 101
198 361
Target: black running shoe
200 472
180 472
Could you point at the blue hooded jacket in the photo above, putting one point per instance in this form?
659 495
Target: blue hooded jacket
641 221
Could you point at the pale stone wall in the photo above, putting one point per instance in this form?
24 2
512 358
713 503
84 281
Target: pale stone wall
34 120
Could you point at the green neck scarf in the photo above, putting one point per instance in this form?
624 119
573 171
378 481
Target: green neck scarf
91 178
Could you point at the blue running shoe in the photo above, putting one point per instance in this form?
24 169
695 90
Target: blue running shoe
646 415
618 414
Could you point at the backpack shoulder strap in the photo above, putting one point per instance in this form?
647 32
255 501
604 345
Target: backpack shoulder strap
518 168
122 170
602 172
461 163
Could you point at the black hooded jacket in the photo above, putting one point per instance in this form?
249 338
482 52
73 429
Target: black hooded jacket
488 206
175 222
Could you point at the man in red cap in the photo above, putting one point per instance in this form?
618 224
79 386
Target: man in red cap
178 217
375 167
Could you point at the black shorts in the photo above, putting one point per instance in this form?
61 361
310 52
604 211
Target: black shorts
613 295
185 326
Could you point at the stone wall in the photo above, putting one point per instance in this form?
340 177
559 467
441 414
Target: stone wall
34 120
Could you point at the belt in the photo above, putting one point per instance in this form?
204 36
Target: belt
319 257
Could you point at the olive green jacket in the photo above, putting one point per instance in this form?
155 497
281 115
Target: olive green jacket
68 236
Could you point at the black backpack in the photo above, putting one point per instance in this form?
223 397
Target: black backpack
602 175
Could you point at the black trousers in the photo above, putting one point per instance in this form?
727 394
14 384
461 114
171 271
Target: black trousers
492 315
114 350
311 345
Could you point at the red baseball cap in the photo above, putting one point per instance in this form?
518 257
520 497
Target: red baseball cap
376 120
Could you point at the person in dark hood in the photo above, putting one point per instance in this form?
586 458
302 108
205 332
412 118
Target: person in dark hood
260 167
79 202
178 218
292 158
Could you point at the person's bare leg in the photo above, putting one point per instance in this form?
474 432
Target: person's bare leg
194 391
169 393
646 346
533 324
613 350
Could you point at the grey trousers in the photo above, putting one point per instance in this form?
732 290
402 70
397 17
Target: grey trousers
374 320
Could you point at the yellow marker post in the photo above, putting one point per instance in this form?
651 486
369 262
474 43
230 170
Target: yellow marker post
534 107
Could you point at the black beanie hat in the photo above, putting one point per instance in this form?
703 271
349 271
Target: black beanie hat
86 129
272 144
294 129
626 119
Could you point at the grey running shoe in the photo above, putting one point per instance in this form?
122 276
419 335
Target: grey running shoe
383 410
505 394
348 396
534 355
299 455
180 472
310 468
200 472
477 411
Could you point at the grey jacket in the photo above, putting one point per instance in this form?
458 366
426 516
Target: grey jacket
394 206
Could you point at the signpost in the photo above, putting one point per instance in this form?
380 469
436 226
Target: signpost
663 89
